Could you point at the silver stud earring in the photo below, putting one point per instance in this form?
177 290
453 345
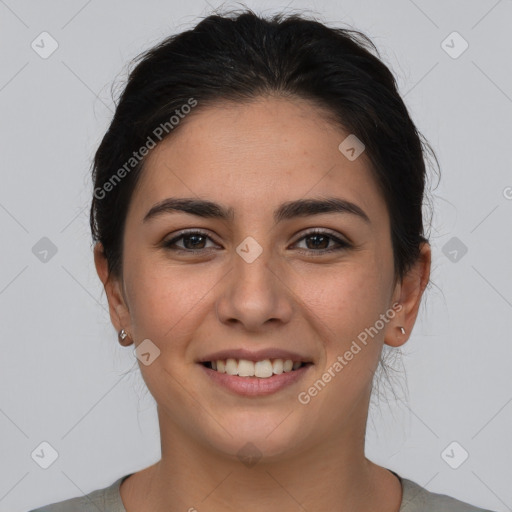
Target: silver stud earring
122 335
402 330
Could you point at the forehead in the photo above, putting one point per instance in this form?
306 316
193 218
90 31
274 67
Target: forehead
251 155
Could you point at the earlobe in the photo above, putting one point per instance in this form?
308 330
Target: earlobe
396 333
409 293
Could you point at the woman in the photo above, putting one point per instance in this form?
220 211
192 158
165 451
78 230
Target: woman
257 214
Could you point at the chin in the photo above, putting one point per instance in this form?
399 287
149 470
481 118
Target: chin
261 441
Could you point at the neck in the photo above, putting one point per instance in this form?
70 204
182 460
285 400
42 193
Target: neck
334 475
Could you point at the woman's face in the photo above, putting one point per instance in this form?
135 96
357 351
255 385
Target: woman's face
256 282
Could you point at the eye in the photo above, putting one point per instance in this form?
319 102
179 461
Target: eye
193 242
321 240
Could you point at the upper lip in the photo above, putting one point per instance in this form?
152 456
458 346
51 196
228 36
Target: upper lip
254 355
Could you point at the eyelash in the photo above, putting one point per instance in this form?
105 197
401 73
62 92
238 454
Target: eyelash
342 244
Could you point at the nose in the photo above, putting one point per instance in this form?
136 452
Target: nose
255 295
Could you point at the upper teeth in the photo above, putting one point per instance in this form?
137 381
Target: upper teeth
263 369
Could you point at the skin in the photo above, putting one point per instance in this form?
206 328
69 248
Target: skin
253 157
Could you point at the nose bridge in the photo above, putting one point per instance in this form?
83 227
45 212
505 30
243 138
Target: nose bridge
252 279
253 294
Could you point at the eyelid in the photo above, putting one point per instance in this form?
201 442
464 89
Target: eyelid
185 232
324 231
341 242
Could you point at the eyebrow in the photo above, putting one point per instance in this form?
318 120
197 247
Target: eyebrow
289 210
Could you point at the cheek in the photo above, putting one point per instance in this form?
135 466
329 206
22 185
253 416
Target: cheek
345 299
165 299
346 305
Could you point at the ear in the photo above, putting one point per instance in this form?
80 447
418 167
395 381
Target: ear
118 308
408 293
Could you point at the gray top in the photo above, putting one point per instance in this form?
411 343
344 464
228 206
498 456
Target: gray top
414 499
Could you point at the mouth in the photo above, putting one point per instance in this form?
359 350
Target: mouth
262 369
257 378
255 373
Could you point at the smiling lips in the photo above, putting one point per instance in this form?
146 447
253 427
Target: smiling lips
262 364
245 368
250 385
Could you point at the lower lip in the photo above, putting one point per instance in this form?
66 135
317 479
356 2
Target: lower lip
256 386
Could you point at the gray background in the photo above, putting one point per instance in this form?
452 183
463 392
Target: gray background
63 377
